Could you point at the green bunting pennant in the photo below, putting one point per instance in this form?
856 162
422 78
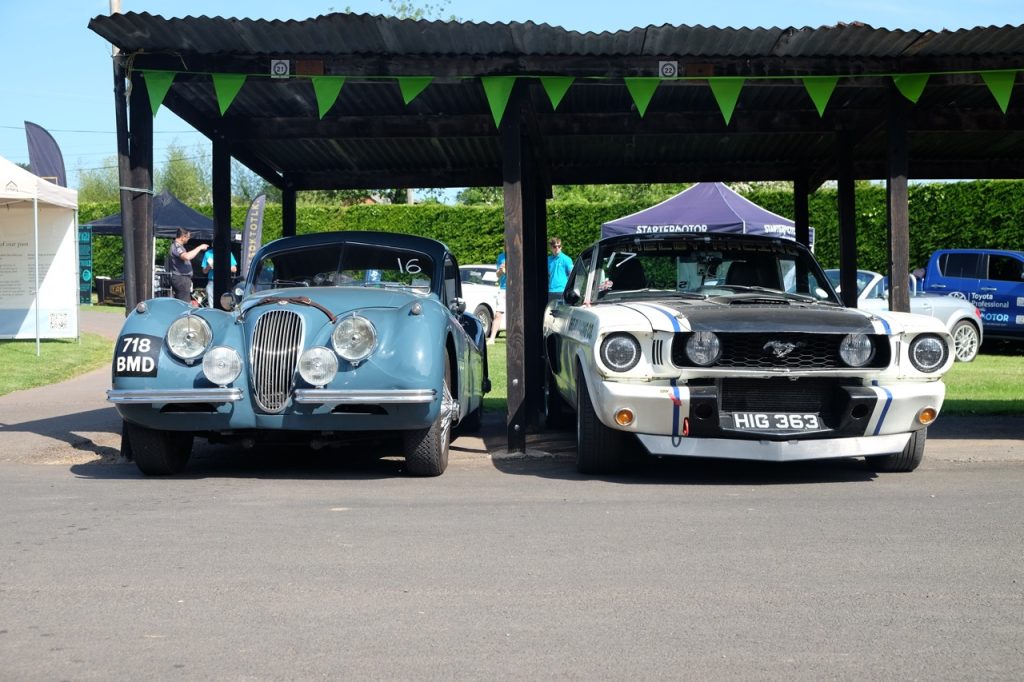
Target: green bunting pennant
556 87
498 89
326 89
412 86
911 85
642 90
820 89
157 85
726 92
1000 84
227 86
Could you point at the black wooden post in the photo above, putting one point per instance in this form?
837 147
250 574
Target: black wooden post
124 181
847 222
897 202
801 210
141 161
288 212
516 306
221 218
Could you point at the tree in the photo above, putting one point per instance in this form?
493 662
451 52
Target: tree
185 174
99 184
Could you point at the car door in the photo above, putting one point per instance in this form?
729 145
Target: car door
960 274
1001 293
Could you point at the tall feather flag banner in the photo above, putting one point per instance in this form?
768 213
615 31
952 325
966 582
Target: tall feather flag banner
327 89
820 89
157 85
253 236
642 90
498 90
726 92
227 85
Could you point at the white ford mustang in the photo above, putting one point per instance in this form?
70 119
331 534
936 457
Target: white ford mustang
735 346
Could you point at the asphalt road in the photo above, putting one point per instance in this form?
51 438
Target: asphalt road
298 565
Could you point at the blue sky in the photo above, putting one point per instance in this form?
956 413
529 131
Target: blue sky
58 72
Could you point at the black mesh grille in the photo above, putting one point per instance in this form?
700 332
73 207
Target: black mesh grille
775 395
781 351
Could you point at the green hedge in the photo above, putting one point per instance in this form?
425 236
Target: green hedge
942 215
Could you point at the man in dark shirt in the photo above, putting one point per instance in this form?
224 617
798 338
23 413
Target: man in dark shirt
180 262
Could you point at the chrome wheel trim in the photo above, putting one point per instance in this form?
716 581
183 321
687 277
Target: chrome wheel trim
449 410
965 343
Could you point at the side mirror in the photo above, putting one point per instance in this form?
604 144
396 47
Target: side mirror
457 306
229 299
571 297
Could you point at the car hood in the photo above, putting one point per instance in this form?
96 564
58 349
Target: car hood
753 317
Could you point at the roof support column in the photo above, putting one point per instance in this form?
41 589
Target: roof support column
535 285
801 211
896 197
124 180
221 218
288 212
515 300
847 221
140 159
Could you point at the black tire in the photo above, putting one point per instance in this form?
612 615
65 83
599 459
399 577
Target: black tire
484 313
556 410
159 453
598 448
966 341
908 460
426 450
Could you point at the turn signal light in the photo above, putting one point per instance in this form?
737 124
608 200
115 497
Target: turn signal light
927 415
624 417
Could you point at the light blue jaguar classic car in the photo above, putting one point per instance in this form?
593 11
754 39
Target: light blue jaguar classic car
329 334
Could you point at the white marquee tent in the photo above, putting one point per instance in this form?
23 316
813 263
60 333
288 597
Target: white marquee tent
38 257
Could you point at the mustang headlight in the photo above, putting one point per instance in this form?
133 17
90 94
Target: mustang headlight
928 353
188 337
703 348
856 350
620 352
318 365
354 338
222 365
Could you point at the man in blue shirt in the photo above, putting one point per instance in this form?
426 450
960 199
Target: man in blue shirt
208 269
499 303
559 267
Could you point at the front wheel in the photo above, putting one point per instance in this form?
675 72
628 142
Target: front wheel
426 450
484 313
908 460
159 453
965 341
598 448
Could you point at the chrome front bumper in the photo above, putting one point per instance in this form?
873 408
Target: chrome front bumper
303 396
171 395
774 451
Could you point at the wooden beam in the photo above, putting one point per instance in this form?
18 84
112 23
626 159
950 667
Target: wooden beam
288 212
221 177
847 220
801 210
141 162
124 180
516 267
897 202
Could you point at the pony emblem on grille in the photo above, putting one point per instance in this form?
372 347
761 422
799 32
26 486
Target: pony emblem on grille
780 349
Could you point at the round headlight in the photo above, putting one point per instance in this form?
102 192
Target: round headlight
188 337
928 353
354 338
703 348
318 365
620 352
856 350
222 365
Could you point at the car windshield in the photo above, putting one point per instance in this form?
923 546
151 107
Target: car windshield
863 279
339 265
706 269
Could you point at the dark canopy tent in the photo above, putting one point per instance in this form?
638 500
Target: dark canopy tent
169 213
704 207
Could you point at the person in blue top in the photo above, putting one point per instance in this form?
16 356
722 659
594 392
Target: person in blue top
499 303
559 267
207 266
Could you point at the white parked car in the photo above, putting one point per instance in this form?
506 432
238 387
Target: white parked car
482 294
694 346
962 319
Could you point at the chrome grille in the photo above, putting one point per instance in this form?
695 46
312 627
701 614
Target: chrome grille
276 344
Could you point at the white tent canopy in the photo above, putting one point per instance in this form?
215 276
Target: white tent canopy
38 256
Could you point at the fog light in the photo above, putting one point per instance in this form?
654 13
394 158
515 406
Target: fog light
318 366
624 417
222 365
927 415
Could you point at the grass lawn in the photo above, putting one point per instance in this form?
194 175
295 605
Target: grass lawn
992 384
60 359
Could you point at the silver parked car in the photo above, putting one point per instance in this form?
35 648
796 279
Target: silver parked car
962 319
